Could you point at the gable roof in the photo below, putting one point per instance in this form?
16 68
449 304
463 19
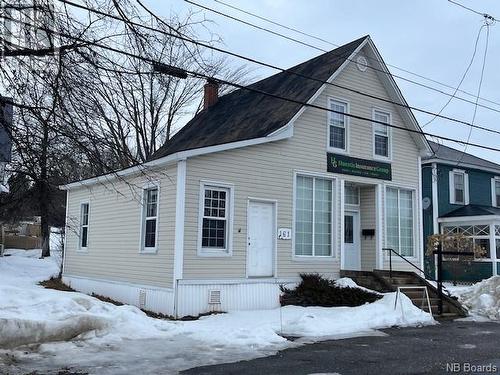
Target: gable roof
243 114
454 156
473 210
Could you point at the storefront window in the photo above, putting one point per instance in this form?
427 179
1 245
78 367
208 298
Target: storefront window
399 216
313 216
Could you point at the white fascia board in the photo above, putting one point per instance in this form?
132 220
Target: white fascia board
489 218
454 163
280 134
392 87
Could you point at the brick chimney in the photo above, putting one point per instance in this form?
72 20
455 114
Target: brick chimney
211 93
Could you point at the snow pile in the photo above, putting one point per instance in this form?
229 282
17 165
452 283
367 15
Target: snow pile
483 298
31 314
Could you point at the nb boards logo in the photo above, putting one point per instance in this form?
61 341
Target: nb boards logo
28 30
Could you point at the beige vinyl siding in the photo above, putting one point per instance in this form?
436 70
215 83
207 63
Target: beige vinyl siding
114 232
267 171
368 219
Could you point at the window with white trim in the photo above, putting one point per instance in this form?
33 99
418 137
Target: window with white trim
337 125
215 219
381 134
313 216
351 194
458 187
400 228
478 234
495 187
84 225
150 218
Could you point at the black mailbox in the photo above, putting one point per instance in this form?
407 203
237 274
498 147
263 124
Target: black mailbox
368 232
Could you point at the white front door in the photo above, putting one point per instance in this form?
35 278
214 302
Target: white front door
352 251
261 241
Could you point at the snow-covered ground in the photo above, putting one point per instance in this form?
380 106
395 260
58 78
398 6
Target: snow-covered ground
481 299
49 329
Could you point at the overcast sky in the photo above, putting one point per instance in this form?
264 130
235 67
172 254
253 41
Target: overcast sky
433 38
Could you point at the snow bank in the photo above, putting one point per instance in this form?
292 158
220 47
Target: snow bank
483 298
31 314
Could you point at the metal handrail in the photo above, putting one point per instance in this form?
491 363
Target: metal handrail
406 260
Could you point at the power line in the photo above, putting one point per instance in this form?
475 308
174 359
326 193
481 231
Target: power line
336 45
287 71
479 86
323 50
252 89
485 15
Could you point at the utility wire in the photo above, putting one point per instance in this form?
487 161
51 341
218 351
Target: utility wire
462 79
337 45
485 15
287 71
324 50
252 89
487 24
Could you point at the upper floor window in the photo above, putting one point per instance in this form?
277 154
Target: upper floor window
84 225
381 134
150 219
215 223
313 216
459 191
495 191
337 125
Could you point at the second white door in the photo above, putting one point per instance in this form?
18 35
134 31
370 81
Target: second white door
352 251
261 241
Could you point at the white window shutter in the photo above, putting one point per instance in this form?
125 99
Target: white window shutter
451 181
493 192
466 188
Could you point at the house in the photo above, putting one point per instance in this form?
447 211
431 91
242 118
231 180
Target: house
461 194
256 190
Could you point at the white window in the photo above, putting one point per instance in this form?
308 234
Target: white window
459 187
313 216
479 235
84 226
495 192
149 237
337 125
400 228
215 223
351 194
381 134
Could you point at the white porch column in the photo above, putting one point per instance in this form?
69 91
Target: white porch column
493 250
341 218
379 230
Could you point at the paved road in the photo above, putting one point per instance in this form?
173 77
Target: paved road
424 350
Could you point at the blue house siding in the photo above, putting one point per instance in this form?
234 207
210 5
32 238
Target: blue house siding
479 188
479 194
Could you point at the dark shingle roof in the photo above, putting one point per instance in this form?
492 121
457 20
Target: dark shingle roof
446 153
5 141
473 210
242 114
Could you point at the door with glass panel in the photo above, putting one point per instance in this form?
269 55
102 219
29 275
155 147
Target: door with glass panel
352 251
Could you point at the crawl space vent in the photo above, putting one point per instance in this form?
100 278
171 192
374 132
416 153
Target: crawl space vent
142 298
214 297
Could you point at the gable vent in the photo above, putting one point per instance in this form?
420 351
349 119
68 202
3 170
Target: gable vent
214 297
142 298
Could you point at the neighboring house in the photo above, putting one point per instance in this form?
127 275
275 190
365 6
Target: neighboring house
462 195
255 190
5 142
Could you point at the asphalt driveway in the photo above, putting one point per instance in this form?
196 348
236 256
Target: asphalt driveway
466 347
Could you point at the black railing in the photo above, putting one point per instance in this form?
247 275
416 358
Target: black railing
439 281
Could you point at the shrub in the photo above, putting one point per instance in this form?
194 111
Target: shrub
315 290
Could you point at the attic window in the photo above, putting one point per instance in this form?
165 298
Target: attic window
362 63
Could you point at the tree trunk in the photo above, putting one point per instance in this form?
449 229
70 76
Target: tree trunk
43 191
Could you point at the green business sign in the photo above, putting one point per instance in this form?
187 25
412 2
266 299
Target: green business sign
358 167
